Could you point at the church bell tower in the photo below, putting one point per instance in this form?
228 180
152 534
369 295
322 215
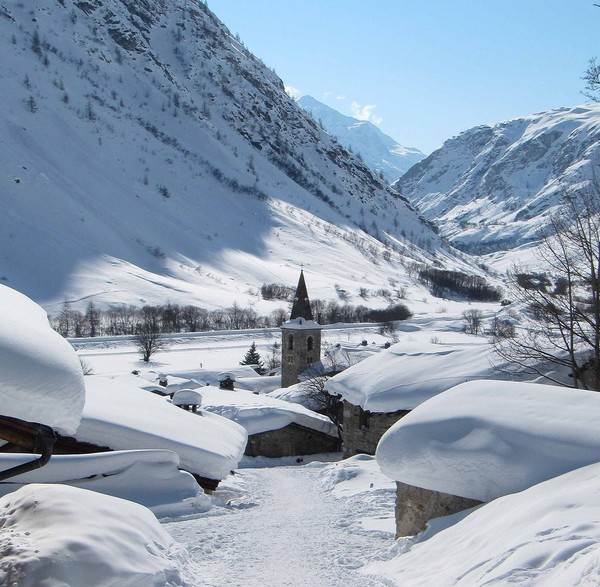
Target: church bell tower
300 338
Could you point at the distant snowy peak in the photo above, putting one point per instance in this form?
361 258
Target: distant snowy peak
493 187
379 151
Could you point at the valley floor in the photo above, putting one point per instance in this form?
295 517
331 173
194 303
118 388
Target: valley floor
283 526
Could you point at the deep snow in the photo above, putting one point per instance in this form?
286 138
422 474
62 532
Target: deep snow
57 536
40 375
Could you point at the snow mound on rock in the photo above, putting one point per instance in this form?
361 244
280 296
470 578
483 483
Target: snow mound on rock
56 535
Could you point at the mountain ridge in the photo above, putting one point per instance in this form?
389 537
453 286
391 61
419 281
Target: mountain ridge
380 152
150 157
494 187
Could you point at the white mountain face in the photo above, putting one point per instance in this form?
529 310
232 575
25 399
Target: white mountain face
380 152
149 157
494 187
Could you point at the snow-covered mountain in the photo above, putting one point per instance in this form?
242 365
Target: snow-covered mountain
493 187
149 157
380 152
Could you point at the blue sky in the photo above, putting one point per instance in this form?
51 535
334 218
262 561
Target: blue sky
424 70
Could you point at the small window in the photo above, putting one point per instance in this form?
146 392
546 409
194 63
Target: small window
309 344
363 419
309 360
290 360
291 342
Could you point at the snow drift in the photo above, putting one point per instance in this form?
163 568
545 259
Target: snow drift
545 535
57 535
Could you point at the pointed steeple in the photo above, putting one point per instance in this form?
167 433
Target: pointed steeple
301 307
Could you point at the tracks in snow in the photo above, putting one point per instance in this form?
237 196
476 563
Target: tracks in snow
287 531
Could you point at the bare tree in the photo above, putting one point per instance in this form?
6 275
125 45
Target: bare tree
92 318
592 80
273 359
473 321
560 318
322 402
148 337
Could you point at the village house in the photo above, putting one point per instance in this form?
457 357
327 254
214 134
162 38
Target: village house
482 440
276 428
382 389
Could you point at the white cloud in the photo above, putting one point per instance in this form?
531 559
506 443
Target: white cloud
365 112
293 92
340 97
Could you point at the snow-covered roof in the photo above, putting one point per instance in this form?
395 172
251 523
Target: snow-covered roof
245 377
484 439
261 413
148 477
41 379
150 379
125 417
409 373
343 355
301 324
298 393
187 397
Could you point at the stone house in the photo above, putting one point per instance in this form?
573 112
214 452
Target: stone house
276 428
380 390
362 429
291 440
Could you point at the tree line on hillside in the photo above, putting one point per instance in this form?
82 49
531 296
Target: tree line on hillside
446 283
173 318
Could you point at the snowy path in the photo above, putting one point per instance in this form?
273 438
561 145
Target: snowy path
286 531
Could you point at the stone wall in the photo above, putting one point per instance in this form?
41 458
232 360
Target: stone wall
416 506
363 430
292 440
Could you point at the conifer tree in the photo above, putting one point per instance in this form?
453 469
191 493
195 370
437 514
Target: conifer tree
252 358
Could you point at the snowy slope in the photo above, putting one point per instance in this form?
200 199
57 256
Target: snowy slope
379 151
148 156
546 535
493 187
